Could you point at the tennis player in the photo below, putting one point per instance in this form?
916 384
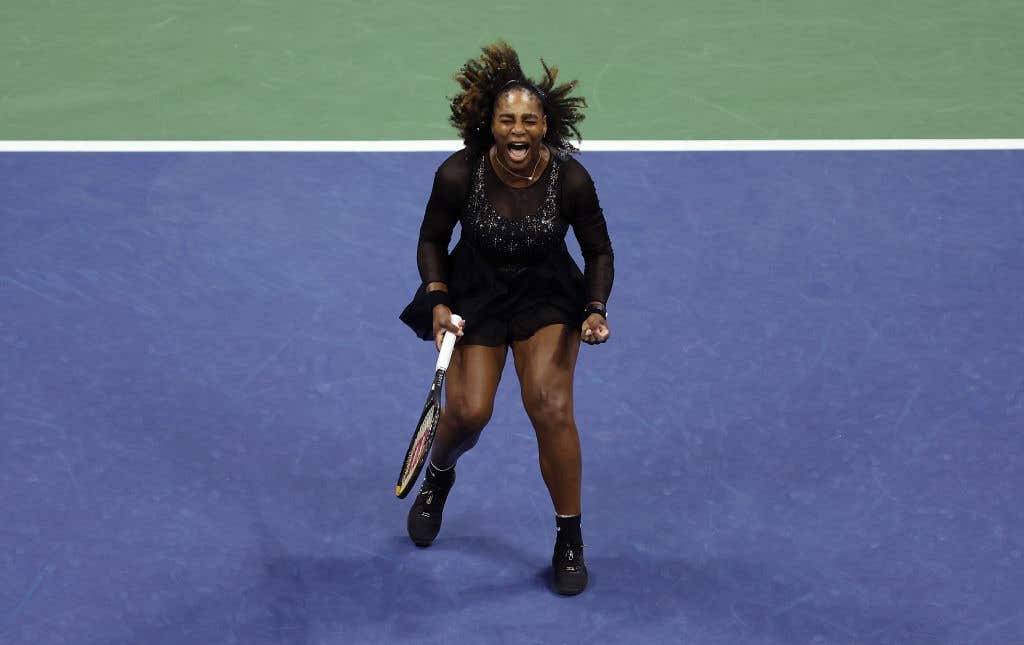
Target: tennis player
516 190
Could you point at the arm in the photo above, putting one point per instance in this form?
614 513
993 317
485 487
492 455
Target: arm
442 213
588 224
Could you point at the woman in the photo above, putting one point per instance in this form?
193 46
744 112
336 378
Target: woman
516 191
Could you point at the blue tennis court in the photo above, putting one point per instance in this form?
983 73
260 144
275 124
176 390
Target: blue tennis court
806 428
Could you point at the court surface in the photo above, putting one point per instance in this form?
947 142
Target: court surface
805 429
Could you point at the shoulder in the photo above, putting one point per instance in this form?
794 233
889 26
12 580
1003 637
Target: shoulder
575 178
456 168
452 178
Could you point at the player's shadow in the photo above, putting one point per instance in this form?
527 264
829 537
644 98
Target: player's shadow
394 595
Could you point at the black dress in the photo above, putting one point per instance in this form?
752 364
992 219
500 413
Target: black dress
511 273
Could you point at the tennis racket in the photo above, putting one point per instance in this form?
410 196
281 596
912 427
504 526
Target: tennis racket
423 436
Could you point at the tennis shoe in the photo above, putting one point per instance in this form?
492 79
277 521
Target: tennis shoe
570 571
425 513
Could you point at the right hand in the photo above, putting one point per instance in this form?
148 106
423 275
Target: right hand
443 322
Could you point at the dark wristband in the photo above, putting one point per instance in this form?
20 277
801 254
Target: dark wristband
438 297
595 309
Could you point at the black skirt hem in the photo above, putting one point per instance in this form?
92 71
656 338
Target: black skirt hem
502 305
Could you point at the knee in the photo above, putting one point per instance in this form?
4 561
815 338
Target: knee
549 407
468 418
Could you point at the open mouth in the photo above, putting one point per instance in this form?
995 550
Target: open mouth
518 151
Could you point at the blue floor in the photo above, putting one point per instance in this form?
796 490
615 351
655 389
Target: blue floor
807 427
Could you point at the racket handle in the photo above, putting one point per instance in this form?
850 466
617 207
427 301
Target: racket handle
447 346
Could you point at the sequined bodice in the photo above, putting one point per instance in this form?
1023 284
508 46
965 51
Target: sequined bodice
512 242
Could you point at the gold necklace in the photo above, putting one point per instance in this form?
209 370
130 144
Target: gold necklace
540 157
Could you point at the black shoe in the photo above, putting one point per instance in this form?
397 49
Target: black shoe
425 513
570 569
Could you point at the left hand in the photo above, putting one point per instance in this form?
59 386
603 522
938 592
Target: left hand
595 330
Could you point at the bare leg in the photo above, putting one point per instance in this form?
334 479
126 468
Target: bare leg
470 384
545 363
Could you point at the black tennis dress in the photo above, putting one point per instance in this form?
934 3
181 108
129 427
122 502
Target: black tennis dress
511 273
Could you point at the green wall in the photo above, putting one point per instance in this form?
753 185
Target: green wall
318 69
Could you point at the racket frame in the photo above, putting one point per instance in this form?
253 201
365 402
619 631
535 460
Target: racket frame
420 444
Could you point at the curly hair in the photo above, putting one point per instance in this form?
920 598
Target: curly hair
486 78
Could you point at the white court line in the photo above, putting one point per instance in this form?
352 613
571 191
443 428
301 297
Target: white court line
597 145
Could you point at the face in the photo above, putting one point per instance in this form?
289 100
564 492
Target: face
518 126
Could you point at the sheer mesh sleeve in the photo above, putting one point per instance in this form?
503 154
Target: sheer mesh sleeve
451 185
582 209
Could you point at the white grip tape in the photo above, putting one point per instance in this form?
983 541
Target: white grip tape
447 346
